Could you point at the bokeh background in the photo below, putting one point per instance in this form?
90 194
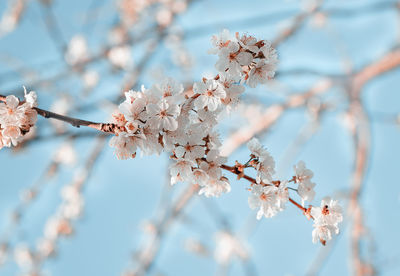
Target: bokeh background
131 222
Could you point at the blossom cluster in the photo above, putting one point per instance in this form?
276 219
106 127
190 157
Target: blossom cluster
165 117
270 196
16 118
244 58
326 220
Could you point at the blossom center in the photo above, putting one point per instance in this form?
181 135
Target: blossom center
325 210
210 93
263 197
163 113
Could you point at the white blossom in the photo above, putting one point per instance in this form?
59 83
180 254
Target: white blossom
323 232
181 170
220 41
215 187
133 105
302 173
77 50
265 199
231 59
168 89
163 115
265 164
124 146
23 256
306 191
330 212
189 151
260 73
11 112
211 94
303 178
200 177
326 220
30 98
16 118
121 57
229 246
248 42
232 90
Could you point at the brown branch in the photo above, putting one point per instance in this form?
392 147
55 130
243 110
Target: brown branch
234 170
104 127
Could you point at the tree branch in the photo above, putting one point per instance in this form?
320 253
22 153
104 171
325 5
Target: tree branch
104 127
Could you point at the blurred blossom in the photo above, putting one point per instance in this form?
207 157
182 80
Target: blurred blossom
77 51
121 57
131 9
228 247
118 35
164 17
11 16
319 20
62 106
23 256
66 154
57 226
46 247
90 79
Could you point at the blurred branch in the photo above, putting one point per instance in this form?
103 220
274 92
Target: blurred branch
52 27
270 116
149 253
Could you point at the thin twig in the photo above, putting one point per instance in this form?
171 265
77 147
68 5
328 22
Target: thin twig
104 127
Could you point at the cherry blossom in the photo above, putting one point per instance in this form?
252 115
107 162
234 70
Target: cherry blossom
77 50
229 246
220 41
265 199
260 73
16 118
211 94
330 212
181 170
231 59
306 191
326 220
264 163
124 146
163 115
168 89
303 178
215 187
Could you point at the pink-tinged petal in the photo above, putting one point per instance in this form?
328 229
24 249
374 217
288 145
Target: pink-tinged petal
174 110
12 101
152 109
244 58
199 87
179 151
200 102
169 123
